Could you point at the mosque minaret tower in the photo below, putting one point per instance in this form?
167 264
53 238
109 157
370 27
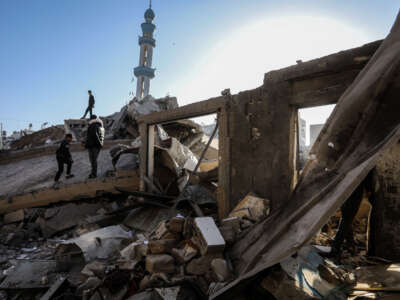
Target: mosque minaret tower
144 71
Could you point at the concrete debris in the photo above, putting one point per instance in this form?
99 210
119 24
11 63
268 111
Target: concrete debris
160 263
13 217
221 270
211 240
252 207
101 243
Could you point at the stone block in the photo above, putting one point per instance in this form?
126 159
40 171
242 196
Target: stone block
229 234
160 263
162 246
15 216
200 266
232 222
211 240
176 225
220 269
184 255
251 207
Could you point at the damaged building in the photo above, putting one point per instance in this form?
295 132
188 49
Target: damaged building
179 211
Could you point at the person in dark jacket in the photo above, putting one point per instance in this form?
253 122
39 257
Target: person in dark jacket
63 156
90 107
94 142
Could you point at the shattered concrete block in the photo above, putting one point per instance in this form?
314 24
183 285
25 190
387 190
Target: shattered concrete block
129 252
252 207
147 295
229 234
232 222
220 268
142 250
68 255
200 266
160 263
211 240
184 255
176 224
90 284
95 268
13 217
128 265
161 231
162 246
168 293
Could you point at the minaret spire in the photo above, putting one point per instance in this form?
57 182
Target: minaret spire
144 71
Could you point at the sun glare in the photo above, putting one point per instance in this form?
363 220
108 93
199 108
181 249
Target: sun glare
240 60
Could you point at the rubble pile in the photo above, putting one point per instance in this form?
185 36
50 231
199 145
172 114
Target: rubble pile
95 248
42 137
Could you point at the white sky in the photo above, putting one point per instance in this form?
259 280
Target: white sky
240 61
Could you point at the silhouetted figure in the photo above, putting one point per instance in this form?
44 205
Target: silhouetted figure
94 142
349 210
90 107
64 157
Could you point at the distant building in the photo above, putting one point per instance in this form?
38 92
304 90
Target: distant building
302 132
315 129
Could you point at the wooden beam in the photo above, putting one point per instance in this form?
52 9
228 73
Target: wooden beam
197 109
355 58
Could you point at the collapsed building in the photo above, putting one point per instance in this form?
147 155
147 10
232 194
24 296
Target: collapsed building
172 216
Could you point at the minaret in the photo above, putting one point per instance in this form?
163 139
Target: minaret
144 72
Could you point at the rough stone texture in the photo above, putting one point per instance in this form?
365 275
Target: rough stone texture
201 265
15 216
176 225
220 268
384 239
252 207
160 263
162 246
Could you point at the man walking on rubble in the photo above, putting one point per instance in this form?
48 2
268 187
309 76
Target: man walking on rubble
64 157
94 142
90 107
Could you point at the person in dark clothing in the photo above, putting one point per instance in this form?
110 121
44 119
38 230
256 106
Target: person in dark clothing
94 142
90 107
349 210
63 156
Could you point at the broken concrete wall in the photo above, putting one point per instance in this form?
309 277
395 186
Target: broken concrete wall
261 143
363 125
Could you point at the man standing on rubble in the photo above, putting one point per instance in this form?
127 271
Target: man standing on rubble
349 211
90 107
64 157
94 142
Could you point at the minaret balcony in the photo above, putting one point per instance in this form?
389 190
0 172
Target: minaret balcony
147 40
148 28
144 71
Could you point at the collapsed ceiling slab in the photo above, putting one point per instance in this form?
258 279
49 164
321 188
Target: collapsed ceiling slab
364 124
28 177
